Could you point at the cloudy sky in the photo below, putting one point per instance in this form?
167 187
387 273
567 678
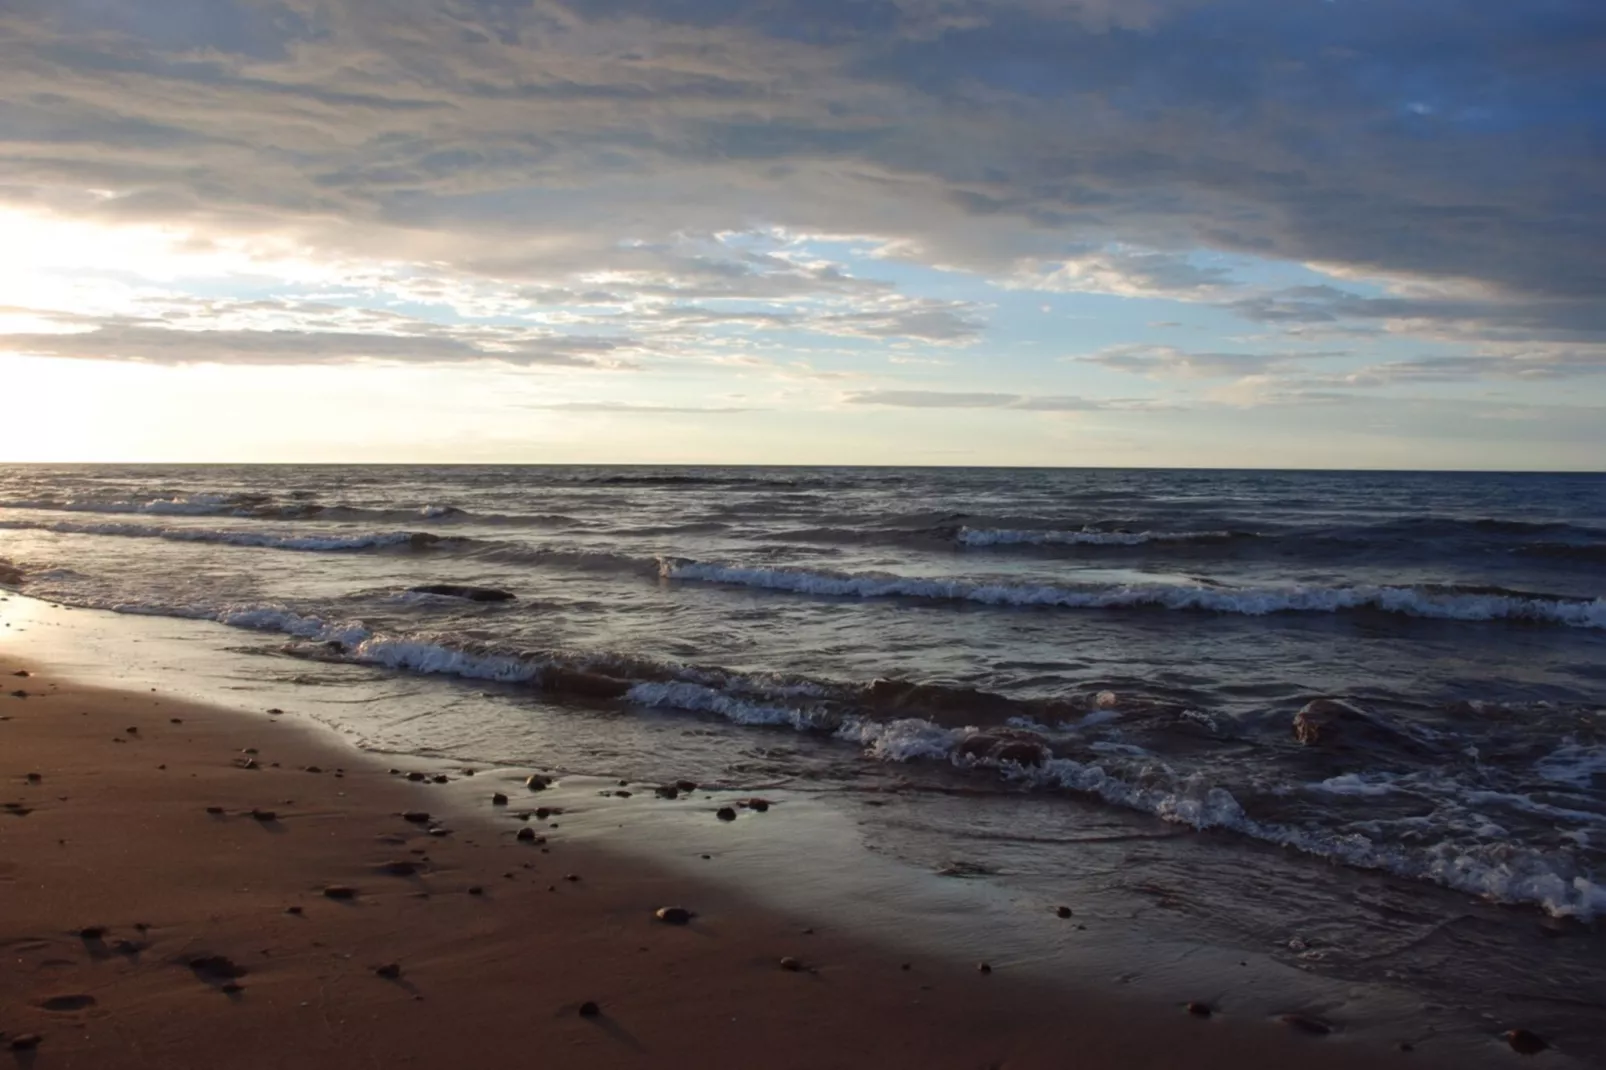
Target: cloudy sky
1328 233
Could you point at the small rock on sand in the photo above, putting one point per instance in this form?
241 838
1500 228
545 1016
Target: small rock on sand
725 813
537 782
216 967
1199 1010
498 799
476 890
92 932
34 778
441 778
589 1009
214 810
416 817
791 964
758 806
340 891
399 868
673 915
415 776
982 967
26 1042
264 815
390 971
1526 1042
1062 912
686 785
292 910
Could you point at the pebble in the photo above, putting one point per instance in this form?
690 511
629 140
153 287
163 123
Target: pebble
415 776
1526 1042
686 785
1200 1010
390 971
725 813
543 812
1062 912
314 769
673 915
264 815
340 891
791 964
232 988
402 868
416 817
476 890
525 835
292 910
758 805
275 711
26 1042
131 731
669 791
536 782
441 778
34 778
214 810
982 967
246 763
218 967
498 799
589 1009
92 932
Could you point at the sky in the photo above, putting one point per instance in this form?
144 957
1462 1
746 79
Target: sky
1245 233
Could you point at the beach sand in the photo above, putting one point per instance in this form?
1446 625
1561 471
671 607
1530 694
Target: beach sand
139 930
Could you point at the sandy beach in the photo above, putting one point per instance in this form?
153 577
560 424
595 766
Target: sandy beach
168 868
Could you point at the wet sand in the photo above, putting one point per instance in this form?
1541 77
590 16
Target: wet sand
140 930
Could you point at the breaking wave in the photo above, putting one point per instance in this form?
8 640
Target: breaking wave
1434 603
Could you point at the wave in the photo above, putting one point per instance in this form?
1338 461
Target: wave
373 540
259 507
967 536
1502 871
1434 603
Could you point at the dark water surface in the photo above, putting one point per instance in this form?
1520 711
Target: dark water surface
1049 674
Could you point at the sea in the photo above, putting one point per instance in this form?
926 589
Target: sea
1049 679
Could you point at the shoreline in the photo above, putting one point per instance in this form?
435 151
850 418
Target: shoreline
480 977
804 865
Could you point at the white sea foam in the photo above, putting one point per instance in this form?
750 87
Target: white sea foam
1407 601
330 542
1574 764
1083 537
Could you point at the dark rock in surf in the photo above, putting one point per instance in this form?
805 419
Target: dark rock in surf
1004 745
673 915
583 684
725 813
758 806
1320 720
1305 1024
526 835
416 777
537 782
399 868
472 594
498 799
1526 1042
1062 912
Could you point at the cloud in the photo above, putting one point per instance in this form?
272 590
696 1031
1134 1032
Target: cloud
166 345
1125 272
1169 362
623 406
1454 139
950 399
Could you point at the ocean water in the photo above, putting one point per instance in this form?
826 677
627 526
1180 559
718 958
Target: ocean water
1054 662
